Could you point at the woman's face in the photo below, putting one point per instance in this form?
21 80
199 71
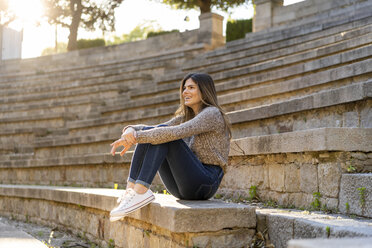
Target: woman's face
192 95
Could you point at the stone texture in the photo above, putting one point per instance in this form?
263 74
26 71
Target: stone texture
292 178
280 230
329 176
285 225
331 243
61 206
309 178
178 215
329 139
11 237
349 194
276 177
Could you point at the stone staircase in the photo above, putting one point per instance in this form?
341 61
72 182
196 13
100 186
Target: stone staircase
298 98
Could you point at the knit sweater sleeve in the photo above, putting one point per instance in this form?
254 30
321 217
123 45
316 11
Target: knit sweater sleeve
209 119
174 121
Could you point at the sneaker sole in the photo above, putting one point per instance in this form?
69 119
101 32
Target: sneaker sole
134 208
140 204
113 219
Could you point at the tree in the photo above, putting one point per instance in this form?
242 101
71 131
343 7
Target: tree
6 16
204 5
140 32
87 14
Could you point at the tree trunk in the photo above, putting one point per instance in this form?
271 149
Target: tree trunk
76 10
205 6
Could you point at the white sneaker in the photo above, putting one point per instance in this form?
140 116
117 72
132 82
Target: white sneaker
131 201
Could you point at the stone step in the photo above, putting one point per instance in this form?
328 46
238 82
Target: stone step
307 12
275 58
276 65
83 107
166 222
260 78
322 100
106 67
30 67
284 225
315 140
11 237
331 243
354 16
64 81
343 95
34 97
276 49
356 193
56 120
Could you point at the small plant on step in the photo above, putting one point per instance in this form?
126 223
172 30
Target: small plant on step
218 196
328 230
111 243
351 169
362 197
347 206
253 193
315 204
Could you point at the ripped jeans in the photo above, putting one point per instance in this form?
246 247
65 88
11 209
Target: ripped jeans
183 175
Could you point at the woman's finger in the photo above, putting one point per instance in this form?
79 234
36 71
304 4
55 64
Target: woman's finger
124 150
113 149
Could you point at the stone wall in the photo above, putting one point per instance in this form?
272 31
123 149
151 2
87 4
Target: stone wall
291 179
272 13
166 222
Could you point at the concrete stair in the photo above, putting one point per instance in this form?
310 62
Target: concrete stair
166 222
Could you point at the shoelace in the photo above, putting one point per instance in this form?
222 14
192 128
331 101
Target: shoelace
126 197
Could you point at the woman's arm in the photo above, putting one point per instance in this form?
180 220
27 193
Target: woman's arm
174 121
209 119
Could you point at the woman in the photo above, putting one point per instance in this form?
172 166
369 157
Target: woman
189 151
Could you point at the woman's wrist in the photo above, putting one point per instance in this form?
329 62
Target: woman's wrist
128 130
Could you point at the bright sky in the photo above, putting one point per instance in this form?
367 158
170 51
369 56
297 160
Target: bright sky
128 16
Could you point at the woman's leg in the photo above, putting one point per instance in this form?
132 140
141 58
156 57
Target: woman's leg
186 176
136 163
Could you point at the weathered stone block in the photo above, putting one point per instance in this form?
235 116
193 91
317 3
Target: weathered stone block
353 198
331 243
280 229
309 178
292 178
329 176
276 177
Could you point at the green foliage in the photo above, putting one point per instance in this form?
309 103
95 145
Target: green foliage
236 29
83 43
61 48
140 32
315 204
86 14
253 192
218 196
347 207
153 33
270 203
351 169
328 231
111 243
362 197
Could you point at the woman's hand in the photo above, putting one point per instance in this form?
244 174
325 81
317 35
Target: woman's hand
126 140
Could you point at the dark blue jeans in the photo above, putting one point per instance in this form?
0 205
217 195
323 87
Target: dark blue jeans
183 175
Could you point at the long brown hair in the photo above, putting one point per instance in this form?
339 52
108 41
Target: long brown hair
208 96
